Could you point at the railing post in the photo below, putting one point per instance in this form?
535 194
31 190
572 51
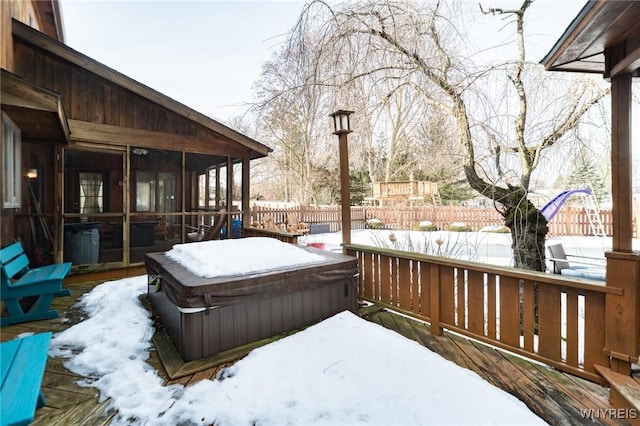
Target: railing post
622 315
434 299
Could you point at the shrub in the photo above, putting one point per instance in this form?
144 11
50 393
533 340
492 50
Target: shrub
496 229
374 224
457 227
425 226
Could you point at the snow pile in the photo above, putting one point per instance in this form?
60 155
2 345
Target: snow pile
242 256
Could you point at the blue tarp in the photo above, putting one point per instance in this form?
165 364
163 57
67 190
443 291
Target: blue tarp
553 206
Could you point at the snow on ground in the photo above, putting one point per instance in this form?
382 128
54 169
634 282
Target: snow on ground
342 371
487 247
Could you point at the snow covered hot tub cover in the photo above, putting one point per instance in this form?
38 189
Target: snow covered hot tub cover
222 272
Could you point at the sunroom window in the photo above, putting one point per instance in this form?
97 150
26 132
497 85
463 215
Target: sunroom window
91 193
12 148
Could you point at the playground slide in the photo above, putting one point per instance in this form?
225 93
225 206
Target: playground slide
553 207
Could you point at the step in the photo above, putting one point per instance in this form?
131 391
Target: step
624 393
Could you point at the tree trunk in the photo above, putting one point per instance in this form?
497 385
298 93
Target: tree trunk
528 232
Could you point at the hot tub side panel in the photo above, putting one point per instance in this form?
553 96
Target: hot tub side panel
198 334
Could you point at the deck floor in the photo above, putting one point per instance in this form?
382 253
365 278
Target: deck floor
556 397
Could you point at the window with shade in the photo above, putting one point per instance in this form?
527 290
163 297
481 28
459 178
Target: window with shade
91 193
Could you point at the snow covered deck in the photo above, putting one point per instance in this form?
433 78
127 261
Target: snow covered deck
556 397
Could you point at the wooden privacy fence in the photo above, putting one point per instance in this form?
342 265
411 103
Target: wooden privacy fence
570 220
540 316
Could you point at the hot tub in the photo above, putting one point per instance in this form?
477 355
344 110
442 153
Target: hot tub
205 316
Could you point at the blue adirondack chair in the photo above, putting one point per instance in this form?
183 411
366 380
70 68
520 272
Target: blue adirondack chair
22 365
27 293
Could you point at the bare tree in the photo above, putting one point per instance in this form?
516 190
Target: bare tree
290 107
415 46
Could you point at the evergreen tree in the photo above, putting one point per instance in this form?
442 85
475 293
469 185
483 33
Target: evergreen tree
584 174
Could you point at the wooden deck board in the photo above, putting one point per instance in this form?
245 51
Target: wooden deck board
554 396
540 396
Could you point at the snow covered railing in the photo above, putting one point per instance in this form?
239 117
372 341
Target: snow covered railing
549 318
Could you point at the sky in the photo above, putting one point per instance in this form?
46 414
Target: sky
208 54
331 374
205 54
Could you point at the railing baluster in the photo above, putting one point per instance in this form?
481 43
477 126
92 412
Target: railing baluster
476 302
375 273
509 311
572 328
528 315
491 306
594 324
386 272
549 325
434 297
447 296
367 273
421 288
404 284
460 283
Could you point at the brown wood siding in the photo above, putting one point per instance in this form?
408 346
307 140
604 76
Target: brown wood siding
93 99
19 10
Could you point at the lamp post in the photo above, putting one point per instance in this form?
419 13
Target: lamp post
342 127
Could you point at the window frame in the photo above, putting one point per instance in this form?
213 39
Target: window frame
12 163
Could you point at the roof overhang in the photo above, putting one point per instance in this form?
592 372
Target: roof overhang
37 111
600 26
54 47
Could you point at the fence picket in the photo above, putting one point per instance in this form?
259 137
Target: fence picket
570 220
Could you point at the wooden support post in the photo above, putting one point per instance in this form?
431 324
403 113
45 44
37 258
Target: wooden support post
622 321
621 155
345 190
58 196
246 178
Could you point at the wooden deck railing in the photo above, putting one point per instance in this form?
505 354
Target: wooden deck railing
544 317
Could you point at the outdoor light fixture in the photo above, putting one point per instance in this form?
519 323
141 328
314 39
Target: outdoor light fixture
342 127
341 122
140 151
32 174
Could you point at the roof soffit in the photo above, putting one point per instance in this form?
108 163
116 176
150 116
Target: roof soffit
600 25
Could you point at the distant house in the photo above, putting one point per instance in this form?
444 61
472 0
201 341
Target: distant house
98 168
